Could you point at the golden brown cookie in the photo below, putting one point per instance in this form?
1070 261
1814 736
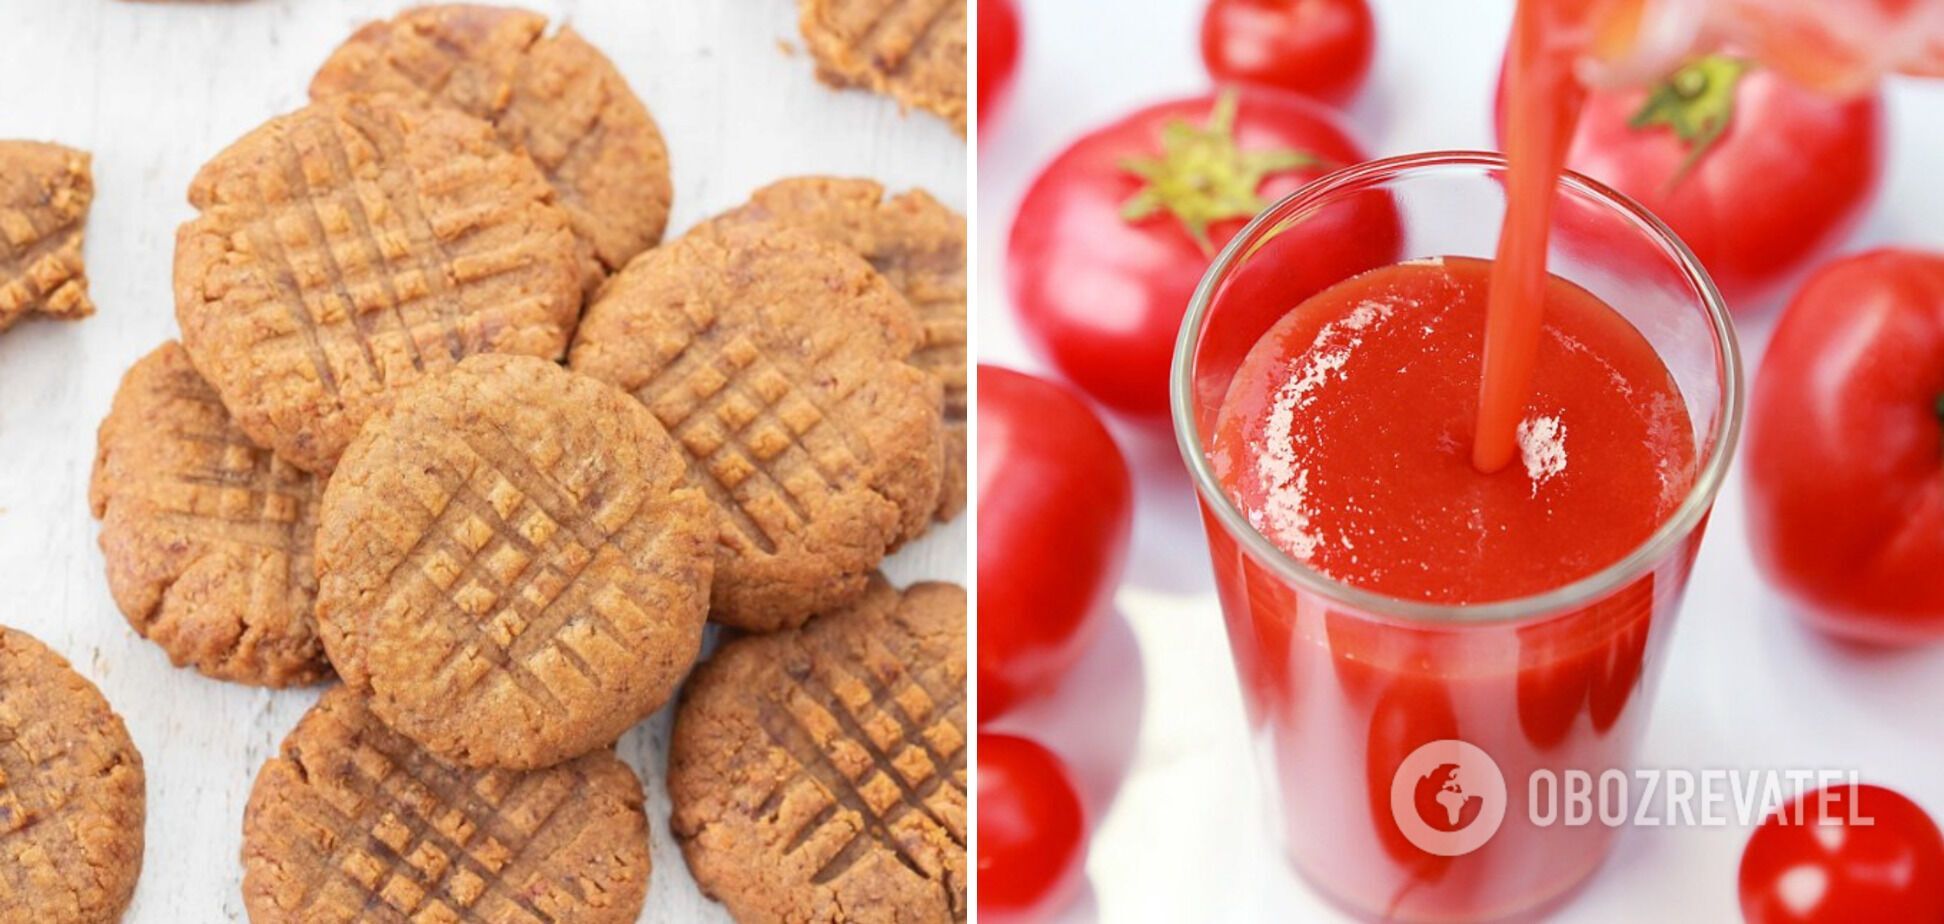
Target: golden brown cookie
355 246
555 97
910 50
71 793
818 775
353 822
45 191
917 245
512 564
777 360
207 537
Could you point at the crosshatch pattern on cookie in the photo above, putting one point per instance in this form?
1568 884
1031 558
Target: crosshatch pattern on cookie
230 491
36 806
45 191
911 239
364 267
371 828
769 450
884 749
504 566
777 361
209 539
512 565
823 770
913 50
554 97
918 246
71 800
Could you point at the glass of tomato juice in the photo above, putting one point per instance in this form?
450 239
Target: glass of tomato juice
1357 697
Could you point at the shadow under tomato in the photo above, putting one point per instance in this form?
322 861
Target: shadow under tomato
1168 552
1093 719
1083 909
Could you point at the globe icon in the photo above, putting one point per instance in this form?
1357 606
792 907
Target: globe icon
1442 802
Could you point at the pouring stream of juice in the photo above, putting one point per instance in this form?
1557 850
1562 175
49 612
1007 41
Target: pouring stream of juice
1823 45
1543 98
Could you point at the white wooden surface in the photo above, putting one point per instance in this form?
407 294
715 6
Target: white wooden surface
1153 721
153 89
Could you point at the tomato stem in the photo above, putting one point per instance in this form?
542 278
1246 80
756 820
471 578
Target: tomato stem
1696 103
1202 177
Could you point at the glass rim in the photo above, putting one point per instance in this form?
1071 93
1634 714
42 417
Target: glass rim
1563 599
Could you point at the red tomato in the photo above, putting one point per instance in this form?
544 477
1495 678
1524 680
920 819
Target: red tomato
998 51
1809 864
1845 489
1055 514
1319 48
1756 174
1032 831
1115 232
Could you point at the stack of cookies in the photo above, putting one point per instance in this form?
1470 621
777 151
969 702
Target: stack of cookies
445 421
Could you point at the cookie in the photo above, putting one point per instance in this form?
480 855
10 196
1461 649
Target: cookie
207 536
555 97
353 822
72 802
910 50
819 774
777 360
355 246
45 191
511 564
917 245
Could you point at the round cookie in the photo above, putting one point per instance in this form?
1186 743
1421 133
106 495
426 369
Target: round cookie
917 245
777 361
555 97
355 246
819 774
207 537
72 798
910 50
353 822
511 564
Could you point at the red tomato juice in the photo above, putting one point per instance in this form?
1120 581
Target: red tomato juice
1345 438
1455 432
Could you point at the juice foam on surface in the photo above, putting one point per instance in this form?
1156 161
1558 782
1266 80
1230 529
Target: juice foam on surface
1345 438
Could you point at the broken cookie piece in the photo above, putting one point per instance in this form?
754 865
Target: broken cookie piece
910 50
45 191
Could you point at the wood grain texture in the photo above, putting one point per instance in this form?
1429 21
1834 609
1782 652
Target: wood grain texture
154 89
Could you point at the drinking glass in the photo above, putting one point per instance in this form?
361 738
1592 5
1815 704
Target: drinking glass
1345 687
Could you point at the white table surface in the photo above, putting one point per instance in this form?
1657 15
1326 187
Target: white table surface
153 89
1155 712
